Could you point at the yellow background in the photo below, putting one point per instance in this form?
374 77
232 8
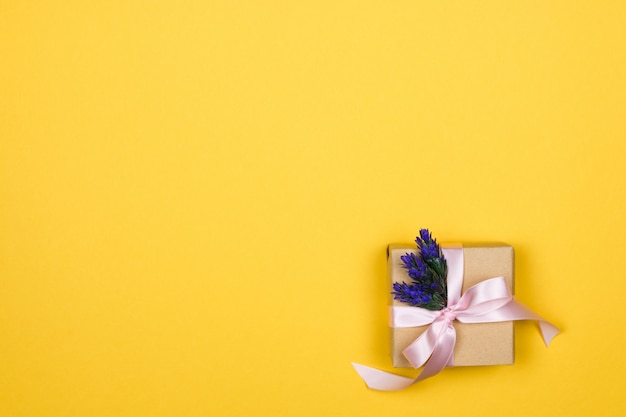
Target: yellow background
196 198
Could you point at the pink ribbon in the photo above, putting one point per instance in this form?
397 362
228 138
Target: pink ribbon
488 301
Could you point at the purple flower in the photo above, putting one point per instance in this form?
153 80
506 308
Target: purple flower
411 294
409 259
428 271
430 251
427 245
416 266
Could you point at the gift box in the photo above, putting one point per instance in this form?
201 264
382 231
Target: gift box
476 343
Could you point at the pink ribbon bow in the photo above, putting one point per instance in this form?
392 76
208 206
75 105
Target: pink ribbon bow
486 302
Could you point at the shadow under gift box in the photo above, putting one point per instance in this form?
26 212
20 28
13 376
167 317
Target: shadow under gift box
476 343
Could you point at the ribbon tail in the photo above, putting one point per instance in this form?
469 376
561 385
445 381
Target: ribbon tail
418 352
442 355
381 380
513 310
521 312
438 357
548 331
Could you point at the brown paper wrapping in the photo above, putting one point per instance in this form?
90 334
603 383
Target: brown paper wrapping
478 343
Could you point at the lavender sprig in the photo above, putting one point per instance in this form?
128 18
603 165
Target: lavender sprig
428 272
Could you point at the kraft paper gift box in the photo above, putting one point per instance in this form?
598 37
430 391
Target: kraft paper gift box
477 343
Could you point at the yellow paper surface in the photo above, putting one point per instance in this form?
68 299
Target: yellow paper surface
196 197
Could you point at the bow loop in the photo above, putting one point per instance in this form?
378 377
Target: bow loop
483 298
